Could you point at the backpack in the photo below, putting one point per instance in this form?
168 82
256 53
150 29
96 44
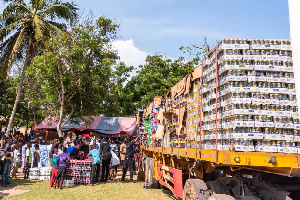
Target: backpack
106 154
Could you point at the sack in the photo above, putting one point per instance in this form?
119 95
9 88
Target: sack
114 159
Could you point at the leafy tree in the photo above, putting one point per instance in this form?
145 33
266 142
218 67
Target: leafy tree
24 30
7 96
115 100
154 78
74 72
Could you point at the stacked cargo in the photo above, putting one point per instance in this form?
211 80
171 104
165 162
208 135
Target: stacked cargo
79 172
253 107
243 94
140 125
193 115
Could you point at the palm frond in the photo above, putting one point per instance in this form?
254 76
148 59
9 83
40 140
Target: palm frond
39 28
65 11
6 30
38 4
61 26
16 8
6 48
54 30
19 42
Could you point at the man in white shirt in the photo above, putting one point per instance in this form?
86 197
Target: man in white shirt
16 161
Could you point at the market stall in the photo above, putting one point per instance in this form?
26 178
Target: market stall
98 124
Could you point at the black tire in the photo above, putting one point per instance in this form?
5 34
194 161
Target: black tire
153 182
195 189
218 187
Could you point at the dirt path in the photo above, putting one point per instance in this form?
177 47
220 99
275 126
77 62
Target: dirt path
8 191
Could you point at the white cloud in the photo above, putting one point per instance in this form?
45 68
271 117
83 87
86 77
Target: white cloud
129 53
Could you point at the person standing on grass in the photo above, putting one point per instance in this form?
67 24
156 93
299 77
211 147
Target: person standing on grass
28 161
6 169
36 156
16 161
122 153
55 146
106 157
129 164
54 168
62 160
96 158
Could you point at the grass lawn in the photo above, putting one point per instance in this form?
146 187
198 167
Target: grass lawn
110 190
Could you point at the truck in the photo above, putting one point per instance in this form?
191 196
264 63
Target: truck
230 129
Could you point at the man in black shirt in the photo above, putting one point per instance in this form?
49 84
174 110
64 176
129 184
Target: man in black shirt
129 159
106 157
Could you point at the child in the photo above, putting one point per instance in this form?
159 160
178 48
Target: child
62 160
54 168
95 157
28 161
36 156
115 161
16 161
6 169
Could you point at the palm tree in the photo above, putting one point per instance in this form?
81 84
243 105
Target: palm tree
24 30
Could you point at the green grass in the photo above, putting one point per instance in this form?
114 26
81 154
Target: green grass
110 190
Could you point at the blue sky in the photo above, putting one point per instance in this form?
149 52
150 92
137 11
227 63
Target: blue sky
162 26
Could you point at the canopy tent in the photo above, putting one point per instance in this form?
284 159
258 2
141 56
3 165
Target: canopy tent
105 125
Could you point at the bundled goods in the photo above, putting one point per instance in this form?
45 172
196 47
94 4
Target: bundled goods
78 172
68 183
140 126
147 129
193 115
45 173
176 123
242 98
34 173
249 101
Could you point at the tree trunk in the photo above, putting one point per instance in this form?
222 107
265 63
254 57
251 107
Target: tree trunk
26 64
62 103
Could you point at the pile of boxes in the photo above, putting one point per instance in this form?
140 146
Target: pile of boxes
245 100
252 104
79 172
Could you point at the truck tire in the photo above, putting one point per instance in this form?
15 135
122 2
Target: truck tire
153 182
218 187
195 189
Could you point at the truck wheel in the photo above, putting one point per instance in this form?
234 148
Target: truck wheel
153 182
195 189
218 187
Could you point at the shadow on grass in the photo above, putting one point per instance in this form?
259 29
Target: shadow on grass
169 194
15 183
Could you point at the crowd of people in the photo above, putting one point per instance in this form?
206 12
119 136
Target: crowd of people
107 155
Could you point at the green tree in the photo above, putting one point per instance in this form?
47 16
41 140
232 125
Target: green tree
24 30
75 71
154 78
115 99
